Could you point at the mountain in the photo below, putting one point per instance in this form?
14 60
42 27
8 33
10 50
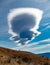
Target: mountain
14 57
45 54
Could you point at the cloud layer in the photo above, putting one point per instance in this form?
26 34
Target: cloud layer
36 47
23 24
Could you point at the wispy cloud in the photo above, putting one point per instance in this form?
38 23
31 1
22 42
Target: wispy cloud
45 5
47 27
36 47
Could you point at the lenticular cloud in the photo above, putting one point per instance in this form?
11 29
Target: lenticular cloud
23 24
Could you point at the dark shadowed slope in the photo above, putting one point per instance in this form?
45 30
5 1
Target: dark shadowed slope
45 54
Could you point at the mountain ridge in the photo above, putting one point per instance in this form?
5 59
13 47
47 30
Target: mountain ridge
47 54
14 57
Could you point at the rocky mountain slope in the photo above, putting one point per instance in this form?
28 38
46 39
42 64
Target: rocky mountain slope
12 57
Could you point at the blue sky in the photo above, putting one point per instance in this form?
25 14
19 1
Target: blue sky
42 41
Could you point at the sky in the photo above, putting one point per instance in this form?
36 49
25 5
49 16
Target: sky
41 43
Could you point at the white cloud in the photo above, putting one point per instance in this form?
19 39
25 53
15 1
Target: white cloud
44 5
46 28
35 47
35 13
36 50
